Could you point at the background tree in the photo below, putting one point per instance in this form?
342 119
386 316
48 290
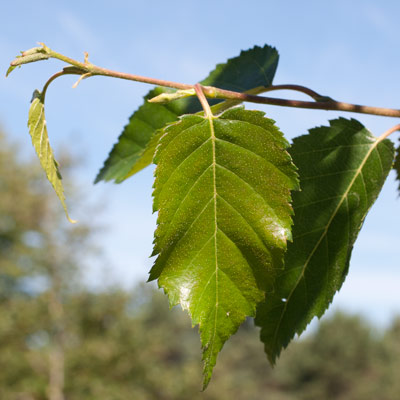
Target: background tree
39 261
58 340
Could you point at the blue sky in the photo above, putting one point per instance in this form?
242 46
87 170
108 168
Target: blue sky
347 50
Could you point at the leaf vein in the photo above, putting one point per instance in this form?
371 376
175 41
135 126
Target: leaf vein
192 223
343 197
253 154
330 174
180 164
333 148
316 202
187 194
247 223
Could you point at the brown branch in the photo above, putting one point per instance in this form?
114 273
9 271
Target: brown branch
320 103
298 88
317 105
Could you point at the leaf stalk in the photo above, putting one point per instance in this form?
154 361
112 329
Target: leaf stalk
199 89
389 132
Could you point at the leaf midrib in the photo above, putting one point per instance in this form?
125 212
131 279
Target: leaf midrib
214 167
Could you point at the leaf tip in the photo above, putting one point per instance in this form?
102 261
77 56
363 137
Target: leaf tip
10 69
70 220
207 374
36 95
28 56
210 353
206 381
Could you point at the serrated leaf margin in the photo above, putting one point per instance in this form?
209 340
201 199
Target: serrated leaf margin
38 130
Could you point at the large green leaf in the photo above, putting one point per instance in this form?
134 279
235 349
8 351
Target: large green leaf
251 69
40 140
342 169
222 190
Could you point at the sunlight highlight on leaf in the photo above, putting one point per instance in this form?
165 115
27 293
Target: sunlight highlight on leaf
222 191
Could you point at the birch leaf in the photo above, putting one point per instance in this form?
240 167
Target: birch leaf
40 140
342 170
253 68
222 191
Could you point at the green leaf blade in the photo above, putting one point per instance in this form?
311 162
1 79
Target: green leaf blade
396 165
127 153
251 69
222 191
40 140
342 169
10 69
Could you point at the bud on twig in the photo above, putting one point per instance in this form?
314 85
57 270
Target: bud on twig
28 56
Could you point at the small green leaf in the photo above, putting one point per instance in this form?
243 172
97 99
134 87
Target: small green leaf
168 97
28 56
11 69
132 143
222 191
34 50
40 140
342 169
147 155
251 69
29 59
396 165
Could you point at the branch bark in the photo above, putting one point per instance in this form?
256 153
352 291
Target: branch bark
87 69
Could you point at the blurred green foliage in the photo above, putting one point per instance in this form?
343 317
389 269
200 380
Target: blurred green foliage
58 340
122 346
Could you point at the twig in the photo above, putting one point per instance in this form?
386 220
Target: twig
321 102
